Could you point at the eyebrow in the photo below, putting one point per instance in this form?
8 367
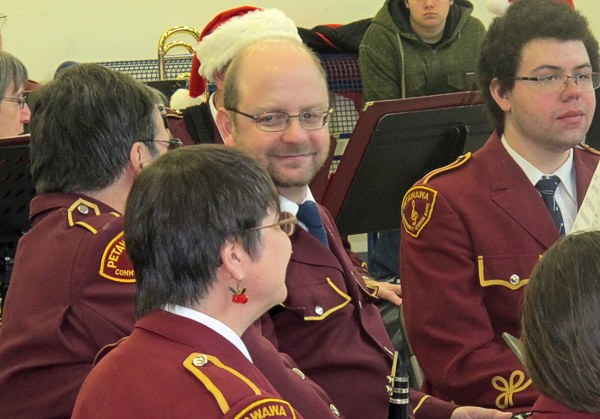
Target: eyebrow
557 68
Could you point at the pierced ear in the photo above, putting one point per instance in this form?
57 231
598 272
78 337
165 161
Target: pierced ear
233 257
225 124
501 96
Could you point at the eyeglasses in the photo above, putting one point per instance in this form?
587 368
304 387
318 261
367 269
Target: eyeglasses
2 19
280 121
555 83
20 100
173 143
286 222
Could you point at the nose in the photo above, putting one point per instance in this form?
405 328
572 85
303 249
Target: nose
294 133
25 114
571 91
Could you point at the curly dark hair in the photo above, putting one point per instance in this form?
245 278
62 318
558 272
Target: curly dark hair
524 21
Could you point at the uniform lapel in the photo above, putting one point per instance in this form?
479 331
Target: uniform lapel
309 251
513 193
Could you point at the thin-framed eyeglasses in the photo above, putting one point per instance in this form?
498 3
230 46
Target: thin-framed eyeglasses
556 83
280 121
173 143
2 19
286 222
20 100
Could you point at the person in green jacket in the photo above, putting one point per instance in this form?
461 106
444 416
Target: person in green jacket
419 48
416 48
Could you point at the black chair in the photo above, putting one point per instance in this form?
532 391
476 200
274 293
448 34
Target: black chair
16 191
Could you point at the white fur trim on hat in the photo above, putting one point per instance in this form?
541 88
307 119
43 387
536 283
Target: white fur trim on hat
218 48
181 99
497 7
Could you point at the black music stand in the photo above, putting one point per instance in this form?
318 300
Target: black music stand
16 191
394 144
167 87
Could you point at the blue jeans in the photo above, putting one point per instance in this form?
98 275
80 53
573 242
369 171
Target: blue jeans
384 258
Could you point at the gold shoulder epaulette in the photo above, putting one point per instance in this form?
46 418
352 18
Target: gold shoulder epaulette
195 363
82 213
589 149
174 113
457 163
206 369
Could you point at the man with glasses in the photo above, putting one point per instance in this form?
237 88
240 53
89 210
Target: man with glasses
72 287
473 231
276 109
14 112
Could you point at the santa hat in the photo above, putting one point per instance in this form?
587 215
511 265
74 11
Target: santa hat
498 7
223 37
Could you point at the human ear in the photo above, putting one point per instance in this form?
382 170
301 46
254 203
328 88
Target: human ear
500 95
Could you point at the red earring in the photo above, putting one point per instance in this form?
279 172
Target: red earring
239 295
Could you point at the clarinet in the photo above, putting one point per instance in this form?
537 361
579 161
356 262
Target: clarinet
398 390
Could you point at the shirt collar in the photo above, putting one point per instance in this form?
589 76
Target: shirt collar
290 206
564 172
212 323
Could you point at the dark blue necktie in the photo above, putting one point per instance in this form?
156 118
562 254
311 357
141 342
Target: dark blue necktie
308 214
546 186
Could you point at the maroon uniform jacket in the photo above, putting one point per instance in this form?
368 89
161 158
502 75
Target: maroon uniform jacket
472 232
172 366
331 328
71 293
547 408
305 395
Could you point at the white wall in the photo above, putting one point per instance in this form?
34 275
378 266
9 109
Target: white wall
44 33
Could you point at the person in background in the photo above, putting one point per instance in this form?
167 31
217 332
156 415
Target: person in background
561 334
416 48
210 248
220 40
473 231
14 111
72 285
276 109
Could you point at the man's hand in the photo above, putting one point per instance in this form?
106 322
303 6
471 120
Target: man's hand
472 412
387 291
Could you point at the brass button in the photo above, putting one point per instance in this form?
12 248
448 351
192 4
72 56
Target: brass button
514 279
200 361
83 209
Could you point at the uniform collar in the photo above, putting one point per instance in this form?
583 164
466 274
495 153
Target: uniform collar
212 323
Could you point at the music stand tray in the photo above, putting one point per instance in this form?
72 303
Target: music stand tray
394 144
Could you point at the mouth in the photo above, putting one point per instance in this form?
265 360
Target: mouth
293 158
572 116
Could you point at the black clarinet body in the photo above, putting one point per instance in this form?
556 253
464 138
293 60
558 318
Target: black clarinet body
398 391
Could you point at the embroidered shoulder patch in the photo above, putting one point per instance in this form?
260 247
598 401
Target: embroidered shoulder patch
115 264
267 408
417 209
